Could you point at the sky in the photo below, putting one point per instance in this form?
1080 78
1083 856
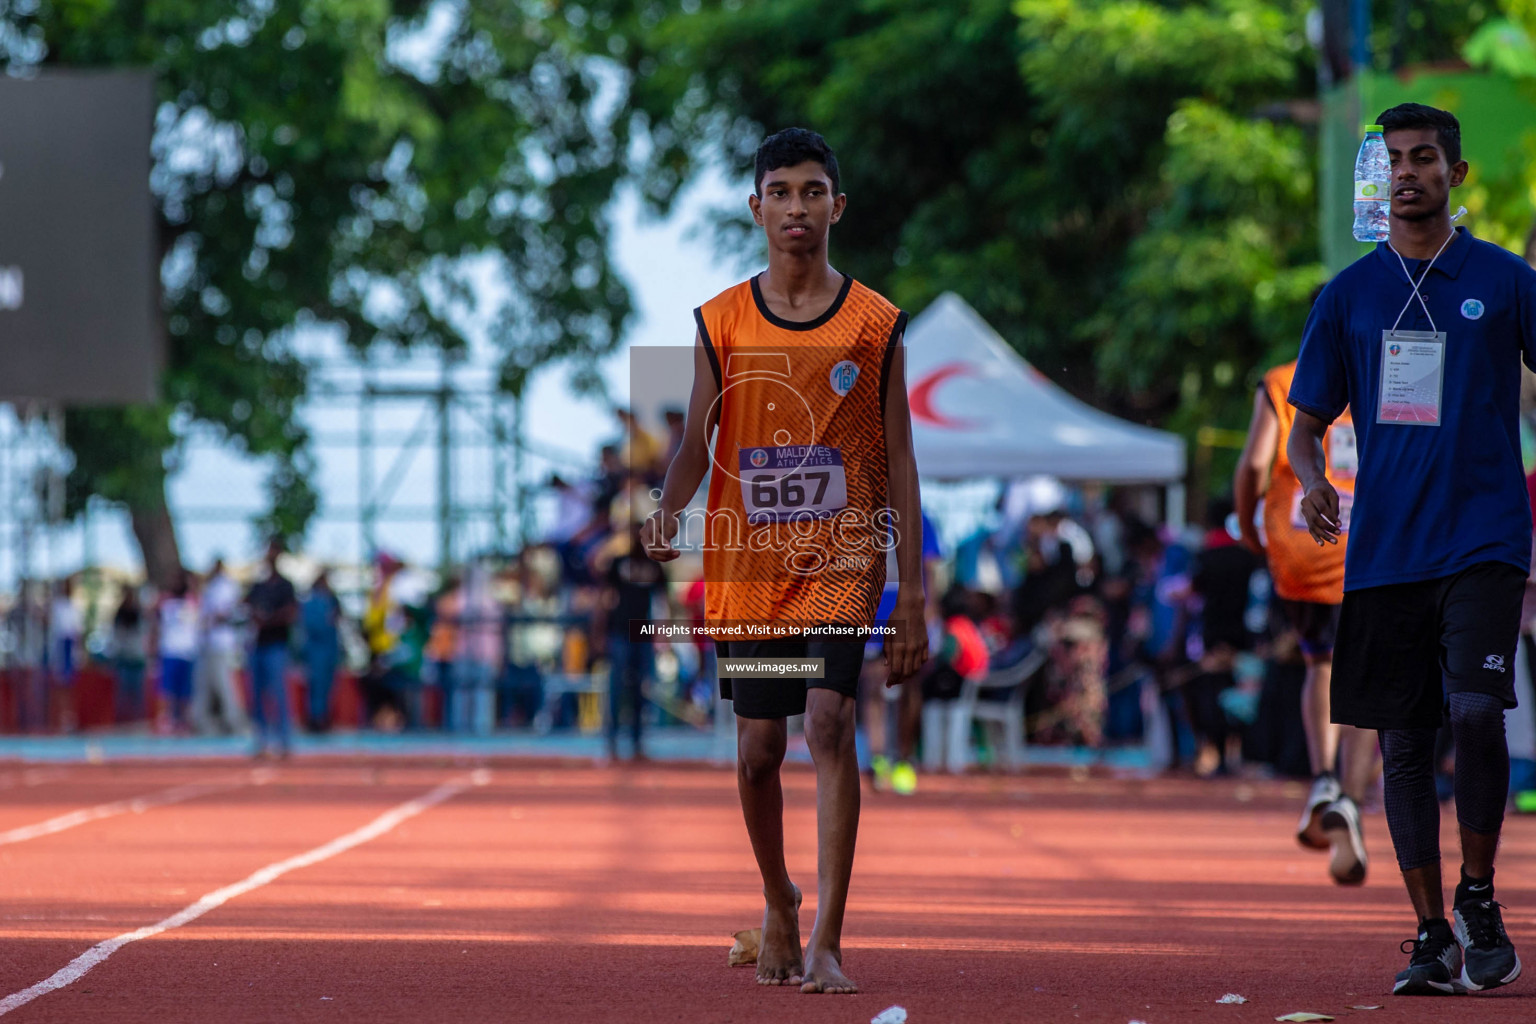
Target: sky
670 267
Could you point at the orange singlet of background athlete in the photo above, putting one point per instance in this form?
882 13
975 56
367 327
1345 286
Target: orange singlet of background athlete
1303 571
785 384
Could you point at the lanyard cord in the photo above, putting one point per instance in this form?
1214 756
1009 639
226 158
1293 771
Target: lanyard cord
1415 284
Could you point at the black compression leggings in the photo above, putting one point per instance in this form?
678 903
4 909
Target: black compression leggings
1482 778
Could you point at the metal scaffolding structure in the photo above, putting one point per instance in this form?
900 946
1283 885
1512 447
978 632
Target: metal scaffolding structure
446 407
32 470
459 412
380 416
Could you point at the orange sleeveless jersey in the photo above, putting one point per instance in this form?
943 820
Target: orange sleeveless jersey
1302 571
797 494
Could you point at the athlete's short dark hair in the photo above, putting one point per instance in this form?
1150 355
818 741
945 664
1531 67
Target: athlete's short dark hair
794 146
1417 115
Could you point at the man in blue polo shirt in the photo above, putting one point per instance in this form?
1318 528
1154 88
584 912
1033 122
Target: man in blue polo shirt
1422 339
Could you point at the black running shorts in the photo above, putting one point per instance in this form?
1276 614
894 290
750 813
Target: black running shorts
1316 623
782 697
1403 647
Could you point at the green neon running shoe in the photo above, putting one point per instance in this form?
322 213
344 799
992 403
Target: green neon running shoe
881 766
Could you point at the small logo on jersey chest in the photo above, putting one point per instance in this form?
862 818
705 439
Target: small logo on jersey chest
1495 662
759 459
1472 309
843 376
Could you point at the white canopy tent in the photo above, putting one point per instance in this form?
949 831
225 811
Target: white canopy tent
980 410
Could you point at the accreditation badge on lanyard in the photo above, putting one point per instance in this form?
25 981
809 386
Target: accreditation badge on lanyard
1412 377
1412 362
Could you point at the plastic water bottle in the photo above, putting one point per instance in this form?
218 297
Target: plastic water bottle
1373 187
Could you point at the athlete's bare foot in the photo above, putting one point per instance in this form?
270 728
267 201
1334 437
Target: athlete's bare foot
824 973
778 958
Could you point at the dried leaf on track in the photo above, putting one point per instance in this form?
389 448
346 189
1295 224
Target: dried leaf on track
1377 1007
890 1015
1304 1018
744 950
1232 998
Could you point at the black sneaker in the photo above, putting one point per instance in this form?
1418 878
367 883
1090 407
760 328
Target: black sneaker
1341 824
1434 963
1490 957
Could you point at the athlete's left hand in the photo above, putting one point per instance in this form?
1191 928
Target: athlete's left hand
908 650
656 535
1320 508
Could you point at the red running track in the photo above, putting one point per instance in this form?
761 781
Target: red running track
565 893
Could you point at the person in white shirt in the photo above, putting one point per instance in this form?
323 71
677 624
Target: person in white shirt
64 632
217 704
176 643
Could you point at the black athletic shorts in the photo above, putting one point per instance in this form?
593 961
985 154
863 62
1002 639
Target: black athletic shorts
779 697
1403 647
1316 623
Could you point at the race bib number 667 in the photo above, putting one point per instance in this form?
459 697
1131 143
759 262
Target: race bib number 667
792 482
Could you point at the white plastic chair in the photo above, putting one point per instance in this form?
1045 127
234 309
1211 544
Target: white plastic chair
1000 716
946 735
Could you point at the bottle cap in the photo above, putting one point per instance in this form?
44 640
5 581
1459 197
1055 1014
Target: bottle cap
1374 128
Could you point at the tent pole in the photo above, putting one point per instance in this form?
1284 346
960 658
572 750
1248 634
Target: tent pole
1176 505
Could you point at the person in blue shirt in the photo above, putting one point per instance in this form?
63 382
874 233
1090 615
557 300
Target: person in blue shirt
320 615
1423 339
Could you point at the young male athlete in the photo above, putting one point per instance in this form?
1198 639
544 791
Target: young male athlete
798 370
1422 338
1310 585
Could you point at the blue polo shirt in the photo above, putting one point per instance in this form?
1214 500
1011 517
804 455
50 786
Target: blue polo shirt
1429 501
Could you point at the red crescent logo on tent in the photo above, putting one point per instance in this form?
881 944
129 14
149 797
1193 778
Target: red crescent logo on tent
920 396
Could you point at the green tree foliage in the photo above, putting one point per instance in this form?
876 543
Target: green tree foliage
1503 192
346 164
1095 177
1124 188
1217 249
943 159
1414 32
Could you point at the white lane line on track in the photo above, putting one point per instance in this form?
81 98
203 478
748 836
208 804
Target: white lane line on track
31 777
133 805
97 954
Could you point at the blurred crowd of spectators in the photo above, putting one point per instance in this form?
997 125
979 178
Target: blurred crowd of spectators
1135 633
